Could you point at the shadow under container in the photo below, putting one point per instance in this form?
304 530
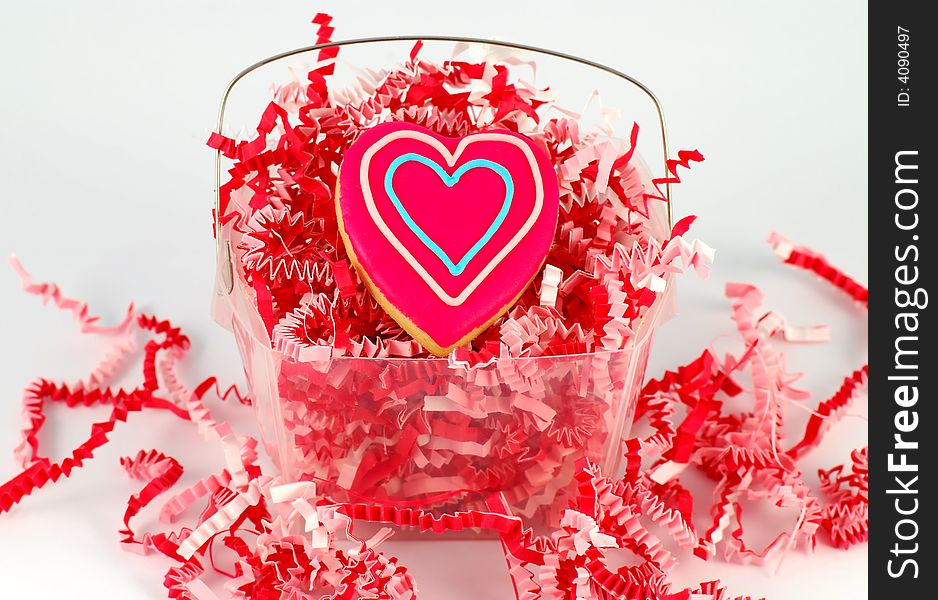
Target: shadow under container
435 433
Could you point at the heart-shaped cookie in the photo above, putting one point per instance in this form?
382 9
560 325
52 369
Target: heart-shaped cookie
446 232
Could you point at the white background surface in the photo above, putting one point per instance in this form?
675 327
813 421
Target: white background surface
107 188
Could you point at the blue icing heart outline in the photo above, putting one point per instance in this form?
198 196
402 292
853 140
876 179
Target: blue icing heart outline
450 181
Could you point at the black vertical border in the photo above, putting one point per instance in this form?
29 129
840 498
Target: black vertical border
894 128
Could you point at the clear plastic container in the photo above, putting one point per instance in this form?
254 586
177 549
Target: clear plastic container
435 432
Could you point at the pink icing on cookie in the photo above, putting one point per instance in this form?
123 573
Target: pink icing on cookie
448 230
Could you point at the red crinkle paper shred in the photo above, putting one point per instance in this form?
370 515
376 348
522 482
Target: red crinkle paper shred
285 537
291 540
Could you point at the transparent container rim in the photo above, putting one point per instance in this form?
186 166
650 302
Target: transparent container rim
440 360
648 321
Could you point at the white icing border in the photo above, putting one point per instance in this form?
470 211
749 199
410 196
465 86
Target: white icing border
451 159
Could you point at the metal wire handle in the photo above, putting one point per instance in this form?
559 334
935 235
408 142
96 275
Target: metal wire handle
223 251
